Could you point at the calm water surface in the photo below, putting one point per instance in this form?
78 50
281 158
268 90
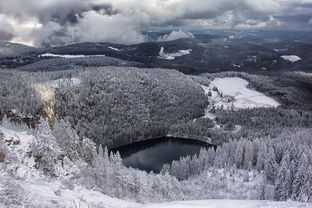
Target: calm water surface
153 154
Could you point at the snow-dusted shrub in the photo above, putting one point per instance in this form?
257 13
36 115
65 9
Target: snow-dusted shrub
12 194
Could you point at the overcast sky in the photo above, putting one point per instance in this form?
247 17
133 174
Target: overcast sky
57 22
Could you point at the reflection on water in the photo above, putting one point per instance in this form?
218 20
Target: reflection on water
152 155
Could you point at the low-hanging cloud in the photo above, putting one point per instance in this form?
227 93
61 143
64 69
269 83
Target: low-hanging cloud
175 35
58 22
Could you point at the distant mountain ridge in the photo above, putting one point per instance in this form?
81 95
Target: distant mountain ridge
249 51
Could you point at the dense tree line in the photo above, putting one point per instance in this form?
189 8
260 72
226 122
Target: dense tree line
263 122
59 64
285 162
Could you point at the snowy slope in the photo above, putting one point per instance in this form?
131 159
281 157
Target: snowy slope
22 185
233 92
229 204
77 196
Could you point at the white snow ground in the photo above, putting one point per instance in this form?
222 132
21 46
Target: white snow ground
172 56
228 204
67 56
291 58
233 92
43 193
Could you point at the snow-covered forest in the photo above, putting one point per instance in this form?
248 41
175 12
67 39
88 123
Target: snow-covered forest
112 105
56 129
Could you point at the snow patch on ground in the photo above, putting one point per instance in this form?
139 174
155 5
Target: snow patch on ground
232 92
280 50
291 58
61 83
114 49
50 55
236 65
172 56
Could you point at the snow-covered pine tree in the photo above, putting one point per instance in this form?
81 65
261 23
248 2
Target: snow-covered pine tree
248 156
67 139
239 156
301 177
305 193
270 166
261 157
282 182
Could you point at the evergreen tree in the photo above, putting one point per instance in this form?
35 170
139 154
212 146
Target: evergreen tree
239 156
261 157
282 182
67 138
248 156
305 193
270 166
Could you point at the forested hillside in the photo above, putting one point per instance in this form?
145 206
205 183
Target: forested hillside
112 106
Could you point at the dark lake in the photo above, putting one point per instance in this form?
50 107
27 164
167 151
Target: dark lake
152 154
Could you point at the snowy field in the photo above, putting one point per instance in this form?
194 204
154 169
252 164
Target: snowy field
291 58
172 56
51 55
233 92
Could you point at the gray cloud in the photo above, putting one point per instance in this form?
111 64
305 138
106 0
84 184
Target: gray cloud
6 31
175 35
57 22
